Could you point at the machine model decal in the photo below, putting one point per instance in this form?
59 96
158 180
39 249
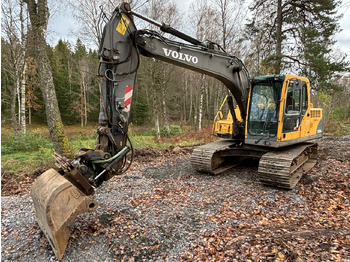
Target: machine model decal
180 56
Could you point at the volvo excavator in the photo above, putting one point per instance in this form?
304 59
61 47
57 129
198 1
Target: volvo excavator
272 120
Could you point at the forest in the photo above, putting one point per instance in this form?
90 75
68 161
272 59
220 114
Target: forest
276 37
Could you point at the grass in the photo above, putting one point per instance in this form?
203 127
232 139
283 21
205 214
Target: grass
32 152
336 128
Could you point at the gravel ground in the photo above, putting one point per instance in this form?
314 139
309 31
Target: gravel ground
166 211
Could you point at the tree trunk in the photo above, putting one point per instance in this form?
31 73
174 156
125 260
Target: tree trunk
165 113
81 104
200 114
278 59
156 123
18 92
29 116
23 75
39 14
85 105
191 101
184 114
23 99
13 110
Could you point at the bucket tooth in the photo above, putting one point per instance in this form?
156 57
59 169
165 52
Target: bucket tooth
57 204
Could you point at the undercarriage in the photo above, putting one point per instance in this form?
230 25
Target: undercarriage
278 167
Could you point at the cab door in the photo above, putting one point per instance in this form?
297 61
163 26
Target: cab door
295 108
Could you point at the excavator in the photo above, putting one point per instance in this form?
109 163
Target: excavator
273 120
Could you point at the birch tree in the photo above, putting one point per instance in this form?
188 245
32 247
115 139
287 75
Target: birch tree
14 27
231 16
203 16
23 69
87 13
85 79
159 75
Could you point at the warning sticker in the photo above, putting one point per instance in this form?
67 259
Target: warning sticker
123 24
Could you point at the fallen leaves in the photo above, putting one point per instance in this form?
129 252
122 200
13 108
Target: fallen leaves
165 211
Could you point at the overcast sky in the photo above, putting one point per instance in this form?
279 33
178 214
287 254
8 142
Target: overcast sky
343 37
62 26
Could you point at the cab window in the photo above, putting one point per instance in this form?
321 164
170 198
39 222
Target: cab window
263 110
304 100
295 106
293 99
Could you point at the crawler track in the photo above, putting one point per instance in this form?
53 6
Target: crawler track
278 168
209 158
284 167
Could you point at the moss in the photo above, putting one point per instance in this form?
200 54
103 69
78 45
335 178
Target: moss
61 139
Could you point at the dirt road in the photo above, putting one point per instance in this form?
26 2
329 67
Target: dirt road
163 210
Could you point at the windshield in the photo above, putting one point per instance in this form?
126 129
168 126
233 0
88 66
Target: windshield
263 110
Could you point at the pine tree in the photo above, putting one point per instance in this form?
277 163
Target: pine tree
295 36
67 92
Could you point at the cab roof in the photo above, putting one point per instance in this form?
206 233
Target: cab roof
268 77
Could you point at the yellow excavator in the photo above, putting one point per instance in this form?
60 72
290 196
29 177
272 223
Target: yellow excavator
274 121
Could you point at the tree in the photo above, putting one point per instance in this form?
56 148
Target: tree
157 76
67 87
14 28
84 78
8 88
32 84
230 15
39 14
87 13
296 36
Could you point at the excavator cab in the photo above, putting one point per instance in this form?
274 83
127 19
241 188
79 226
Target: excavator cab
280 112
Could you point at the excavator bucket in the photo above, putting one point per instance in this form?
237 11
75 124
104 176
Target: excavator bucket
57 203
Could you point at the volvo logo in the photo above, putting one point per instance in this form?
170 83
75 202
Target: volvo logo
180 56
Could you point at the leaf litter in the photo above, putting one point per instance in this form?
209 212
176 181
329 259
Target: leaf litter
163 210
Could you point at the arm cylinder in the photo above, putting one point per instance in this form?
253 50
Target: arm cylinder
168 29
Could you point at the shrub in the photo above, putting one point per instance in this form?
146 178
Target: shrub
24 143
341 113
174 131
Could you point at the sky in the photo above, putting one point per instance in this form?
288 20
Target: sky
63 26
343 38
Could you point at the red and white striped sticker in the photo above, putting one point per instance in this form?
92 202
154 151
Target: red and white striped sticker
127 98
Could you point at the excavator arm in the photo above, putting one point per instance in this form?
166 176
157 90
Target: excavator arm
60 196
